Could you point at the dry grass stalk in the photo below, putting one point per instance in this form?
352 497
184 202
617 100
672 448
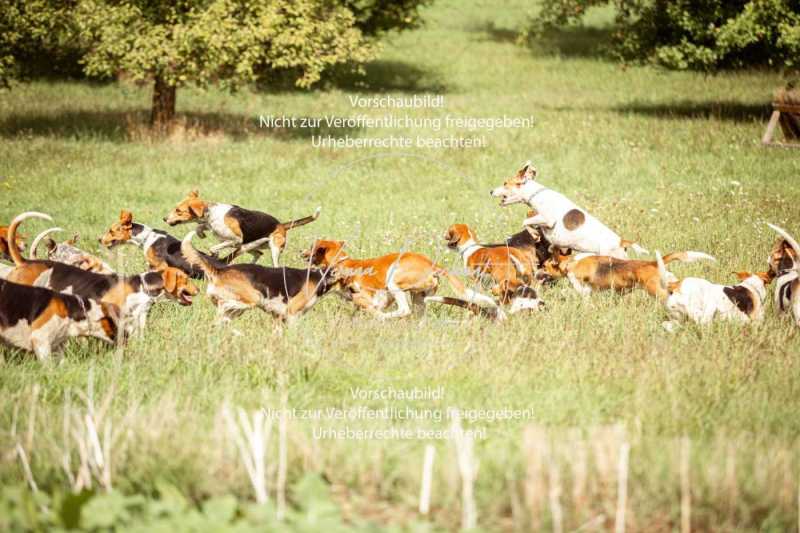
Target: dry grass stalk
90 432
555 497
535 447
622 487
468 468
427 480
686 486
282 454
251 437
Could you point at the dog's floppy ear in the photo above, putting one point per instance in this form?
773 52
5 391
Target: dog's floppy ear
766 276
196 210
170 277
126 217
153 282
113 316
319 254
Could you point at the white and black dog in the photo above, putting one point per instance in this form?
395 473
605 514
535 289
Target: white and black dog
562 222
702 301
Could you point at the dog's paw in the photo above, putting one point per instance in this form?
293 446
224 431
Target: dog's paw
670 326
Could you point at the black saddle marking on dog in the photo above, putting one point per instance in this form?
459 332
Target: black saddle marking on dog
284 282
21 302
254 224
742 297
604 269
574 219
525 241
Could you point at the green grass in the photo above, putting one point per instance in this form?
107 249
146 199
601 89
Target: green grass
670 158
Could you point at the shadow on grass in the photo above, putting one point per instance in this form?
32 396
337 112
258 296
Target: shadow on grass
723 110
496 34
571 42
378 77
574 42
132 126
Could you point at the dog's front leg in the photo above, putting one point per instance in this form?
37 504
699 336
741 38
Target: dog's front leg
583 290
42 348
538 221
222 245
364 301
201 229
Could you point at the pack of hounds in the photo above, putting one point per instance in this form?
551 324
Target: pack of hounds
71 293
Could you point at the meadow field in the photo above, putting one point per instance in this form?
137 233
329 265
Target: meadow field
623 423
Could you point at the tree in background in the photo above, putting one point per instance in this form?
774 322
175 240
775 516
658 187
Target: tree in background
694 34
174 43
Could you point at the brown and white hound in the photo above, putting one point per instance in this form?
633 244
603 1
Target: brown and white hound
373 284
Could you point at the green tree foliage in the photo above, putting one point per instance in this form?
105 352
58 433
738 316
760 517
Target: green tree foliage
695 34
173 43
32 29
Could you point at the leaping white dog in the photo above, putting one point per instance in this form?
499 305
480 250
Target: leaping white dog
563 223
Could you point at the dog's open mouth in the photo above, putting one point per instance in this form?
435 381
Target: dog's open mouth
184 298
505 201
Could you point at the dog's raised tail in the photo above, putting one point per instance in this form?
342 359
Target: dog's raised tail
492 313
448 300
194 258
39 238
471 296
663 279
13 250
688 256
303 221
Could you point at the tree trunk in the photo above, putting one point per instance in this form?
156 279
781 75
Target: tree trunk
163 111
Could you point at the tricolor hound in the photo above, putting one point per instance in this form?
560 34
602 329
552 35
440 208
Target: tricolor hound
161 250
67 252
133 295
506 267
588 272
40 320
243 230
284 292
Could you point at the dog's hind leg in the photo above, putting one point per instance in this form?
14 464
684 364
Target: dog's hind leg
275 249
42 348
